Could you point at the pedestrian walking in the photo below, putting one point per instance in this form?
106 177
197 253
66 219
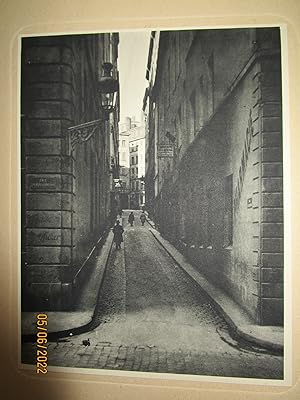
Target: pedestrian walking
120 212
131 218
143 218
118 234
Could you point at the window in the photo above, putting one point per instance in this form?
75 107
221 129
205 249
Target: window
137 170
137 185
136 159
132 160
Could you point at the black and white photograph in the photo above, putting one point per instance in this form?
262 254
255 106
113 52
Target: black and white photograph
152 204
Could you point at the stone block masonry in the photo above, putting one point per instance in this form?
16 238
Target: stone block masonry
47 175
220 200
268 216
65 189
271 210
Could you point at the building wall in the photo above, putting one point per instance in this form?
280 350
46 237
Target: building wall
64 191
132 158
137 166
124 169
269 273
219 198
124 149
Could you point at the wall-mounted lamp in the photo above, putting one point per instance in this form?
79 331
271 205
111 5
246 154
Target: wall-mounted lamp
107 89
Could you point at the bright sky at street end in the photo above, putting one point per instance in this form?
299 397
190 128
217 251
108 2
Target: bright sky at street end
133 55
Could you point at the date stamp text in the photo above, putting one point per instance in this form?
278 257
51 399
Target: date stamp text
41 341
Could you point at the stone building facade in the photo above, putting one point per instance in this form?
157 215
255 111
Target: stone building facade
124 137
137 166
66 186
132 161
214 99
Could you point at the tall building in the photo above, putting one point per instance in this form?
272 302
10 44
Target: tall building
124 137
132 162
214 158
67 179
137 166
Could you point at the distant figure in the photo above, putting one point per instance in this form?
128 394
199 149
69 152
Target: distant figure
143 218
118 234
120 212
131 218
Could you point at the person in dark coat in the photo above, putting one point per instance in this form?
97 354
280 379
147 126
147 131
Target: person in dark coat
143 218
131 218
118 234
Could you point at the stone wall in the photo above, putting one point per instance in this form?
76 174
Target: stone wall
220 197
269 214
65 192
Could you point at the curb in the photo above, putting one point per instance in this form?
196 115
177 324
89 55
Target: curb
53 336
274 347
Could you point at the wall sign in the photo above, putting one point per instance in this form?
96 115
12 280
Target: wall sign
37 183
165 150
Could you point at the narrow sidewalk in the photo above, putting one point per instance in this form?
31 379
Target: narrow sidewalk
82 316
269 337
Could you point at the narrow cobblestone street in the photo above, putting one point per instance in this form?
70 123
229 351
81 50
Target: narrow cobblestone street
154 317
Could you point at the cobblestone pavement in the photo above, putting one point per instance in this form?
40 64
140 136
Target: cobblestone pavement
154 317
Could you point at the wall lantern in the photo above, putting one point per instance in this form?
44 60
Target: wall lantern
107 89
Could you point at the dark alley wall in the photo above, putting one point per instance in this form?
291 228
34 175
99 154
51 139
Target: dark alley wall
220 197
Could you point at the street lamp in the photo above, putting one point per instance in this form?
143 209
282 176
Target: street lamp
107 89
